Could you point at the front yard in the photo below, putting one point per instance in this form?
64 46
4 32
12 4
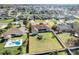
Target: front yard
47 43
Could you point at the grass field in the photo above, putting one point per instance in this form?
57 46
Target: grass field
75 52
62 53
1 48
11 50
25 36
39 21
47 43
6 21
64 37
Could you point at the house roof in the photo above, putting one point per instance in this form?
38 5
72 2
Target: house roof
13 31
39 26
70 17
64 27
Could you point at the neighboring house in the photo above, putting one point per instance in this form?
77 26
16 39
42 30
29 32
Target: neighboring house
17 18
76 29
61 21
64 27
12 31
15 23
4 17
70 19
23 29
59 17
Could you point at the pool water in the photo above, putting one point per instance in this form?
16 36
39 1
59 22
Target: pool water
16 43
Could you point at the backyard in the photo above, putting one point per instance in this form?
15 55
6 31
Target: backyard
14 50
47 43
64 37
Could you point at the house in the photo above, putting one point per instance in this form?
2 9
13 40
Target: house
23 29
4 17
39 28
64 27
12 32
15 23
76 29
70 19
58 17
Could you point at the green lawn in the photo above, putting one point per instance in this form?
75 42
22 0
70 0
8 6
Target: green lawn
40 21
75 52
25 36
64 37
12 50
62 53
6 21
1 48
47 43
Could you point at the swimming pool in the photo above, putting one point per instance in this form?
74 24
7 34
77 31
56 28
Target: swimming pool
16 43
11 43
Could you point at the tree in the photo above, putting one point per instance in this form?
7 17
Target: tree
54 27
7 52
76 26
2 31
20 48
76 42
70 42
9 26
39 37
25 22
